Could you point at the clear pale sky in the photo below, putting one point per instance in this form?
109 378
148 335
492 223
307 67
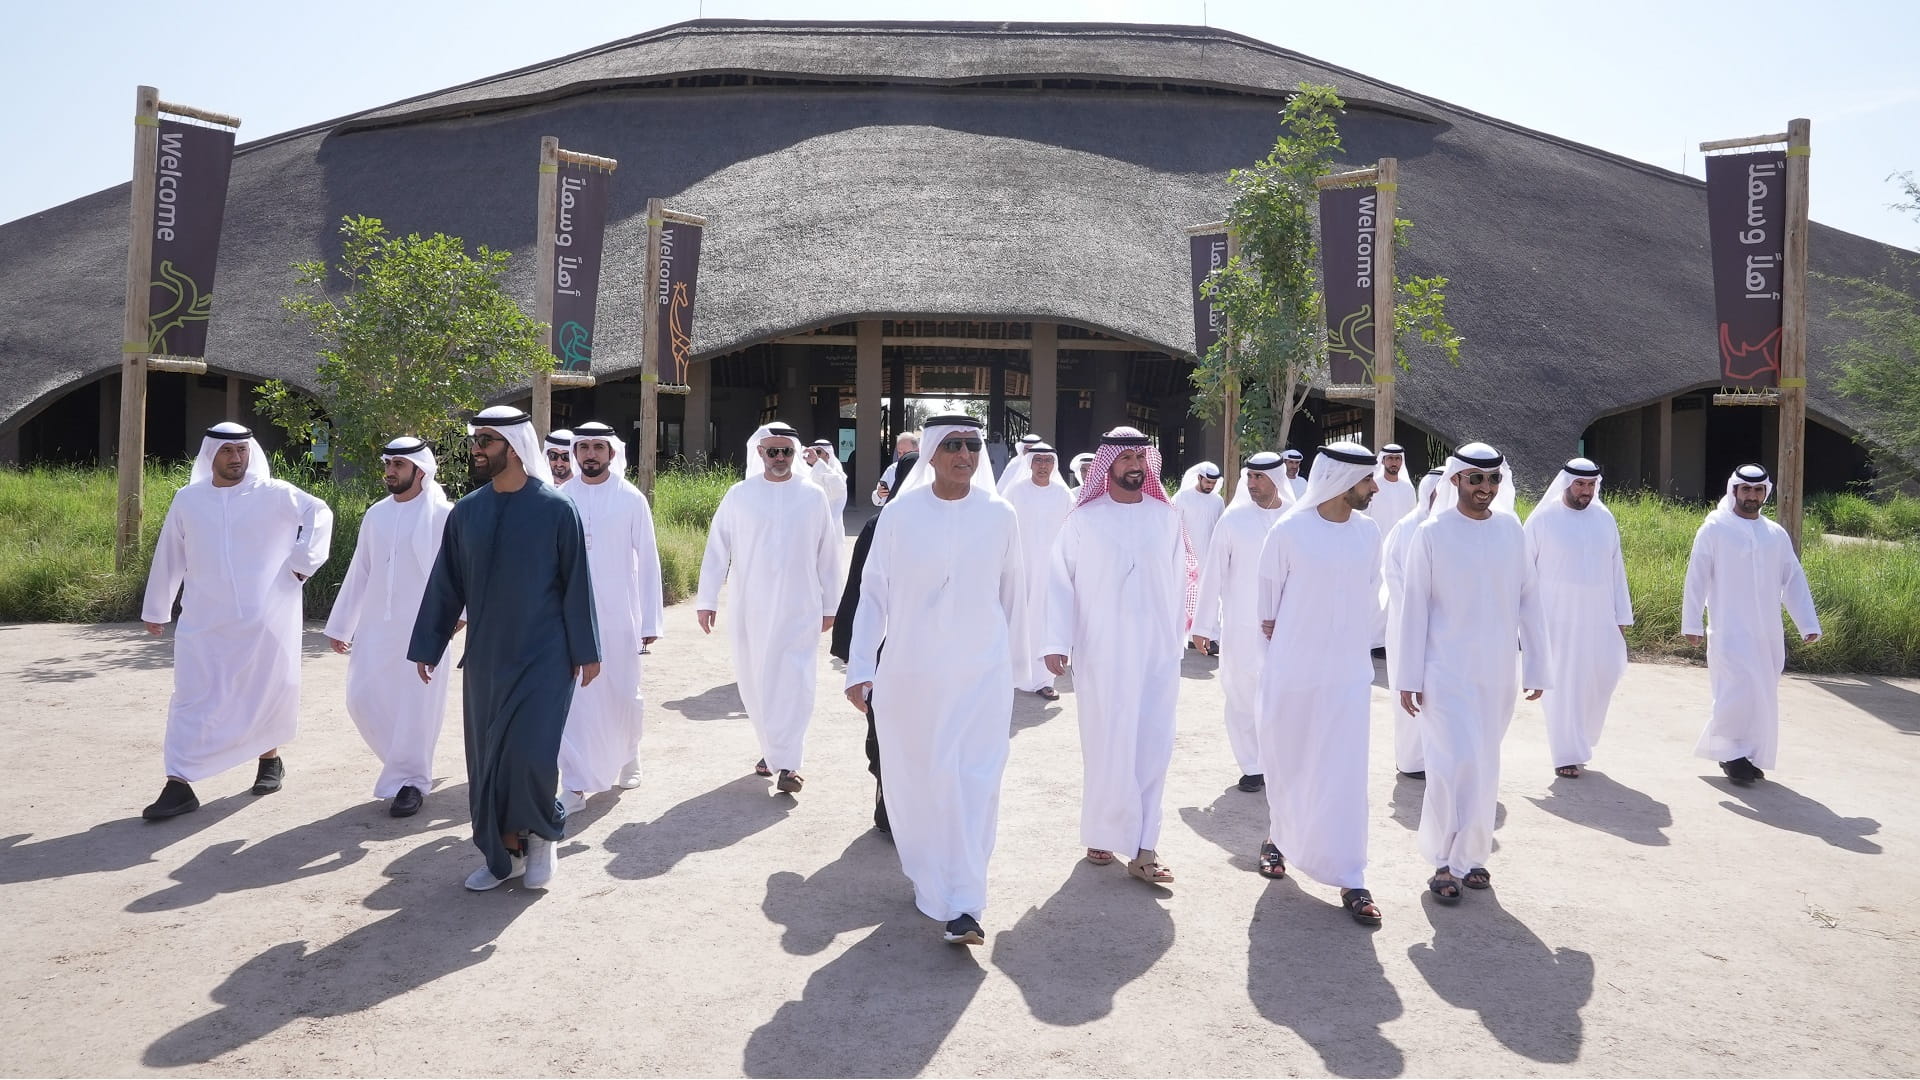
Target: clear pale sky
1646 80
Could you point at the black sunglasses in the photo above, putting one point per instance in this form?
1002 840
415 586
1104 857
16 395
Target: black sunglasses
954 446
777 451
484 440
1475 479
556 455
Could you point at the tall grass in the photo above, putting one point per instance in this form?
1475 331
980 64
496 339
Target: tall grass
57 529
1847 514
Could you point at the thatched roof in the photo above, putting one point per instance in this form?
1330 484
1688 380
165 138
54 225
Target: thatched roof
962 170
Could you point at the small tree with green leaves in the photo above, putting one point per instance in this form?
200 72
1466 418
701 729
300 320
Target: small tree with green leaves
1270 292
420 336
1879 366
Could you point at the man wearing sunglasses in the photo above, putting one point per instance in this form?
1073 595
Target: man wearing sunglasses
942 590
1119 605
1742 570
600 749
559 455
774 535
1470 598
513 558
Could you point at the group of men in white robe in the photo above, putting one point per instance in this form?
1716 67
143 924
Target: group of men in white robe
1299 579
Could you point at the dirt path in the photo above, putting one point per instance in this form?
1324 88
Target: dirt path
1647 919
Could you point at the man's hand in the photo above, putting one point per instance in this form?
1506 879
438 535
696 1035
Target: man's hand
586 673
459 626
705 619
1266 629
1411 700
339 646
1199 642
1695 639
1811 638
425 670
826 623
1056 663
1534 695
156 629
857 693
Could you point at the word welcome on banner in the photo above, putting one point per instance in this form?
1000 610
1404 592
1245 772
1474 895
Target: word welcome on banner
1349 236
1747 226
189 205
1209 252
579 237
674 287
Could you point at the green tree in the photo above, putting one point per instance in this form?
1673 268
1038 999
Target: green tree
1270 292
420 336
1879 365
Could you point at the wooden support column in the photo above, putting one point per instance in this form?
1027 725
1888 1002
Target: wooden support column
233 399
543 282
694 445
997 397
1663 439
870 457
1043 379
1793 337
133 356
1385 365
897 404
646 438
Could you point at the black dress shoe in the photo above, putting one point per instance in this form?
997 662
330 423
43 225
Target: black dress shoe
1741 771
1419 775
880 810
406 803
964 930
175 799
267 780
1253 781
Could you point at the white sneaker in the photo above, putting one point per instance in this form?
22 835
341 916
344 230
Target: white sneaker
542 857
630 776
482 879
573 802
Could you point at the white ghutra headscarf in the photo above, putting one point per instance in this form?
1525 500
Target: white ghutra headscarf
517 428
938 429
220 435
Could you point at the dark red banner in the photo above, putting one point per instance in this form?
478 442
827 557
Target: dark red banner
1349 231
1747 224
674 287
579 235
1209 251
190 202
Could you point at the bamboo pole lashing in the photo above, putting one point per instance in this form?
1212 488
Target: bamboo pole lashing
1740 144
192 113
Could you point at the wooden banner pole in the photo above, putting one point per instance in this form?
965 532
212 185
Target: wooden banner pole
1230 410
1793 336
133 351
1385 356
646 438
543 284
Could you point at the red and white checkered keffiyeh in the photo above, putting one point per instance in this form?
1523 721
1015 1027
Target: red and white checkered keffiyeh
1093 485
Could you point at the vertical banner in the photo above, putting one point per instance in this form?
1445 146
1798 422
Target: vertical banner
674 283
1209 251
579 236
189 203
1747 226
1348 234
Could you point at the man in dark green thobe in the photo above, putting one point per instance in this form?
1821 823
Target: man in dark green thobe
514 559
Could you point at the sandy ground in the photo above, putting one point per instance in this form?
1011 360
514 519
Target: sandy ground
1649 919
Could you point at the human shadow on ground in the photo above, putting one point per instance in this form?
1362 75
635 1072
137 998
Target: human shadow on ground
1598 801
110 845
862 887
1772 803
305 851
436 929
907 988
1032 710
1528 993
599 805
712 821
121 647
719 703
882 1008
1891 703
1294 933
1236 823
1198 666
1074 953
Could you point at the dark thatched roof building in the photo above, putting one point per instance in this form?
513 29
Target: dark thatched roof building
951 209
